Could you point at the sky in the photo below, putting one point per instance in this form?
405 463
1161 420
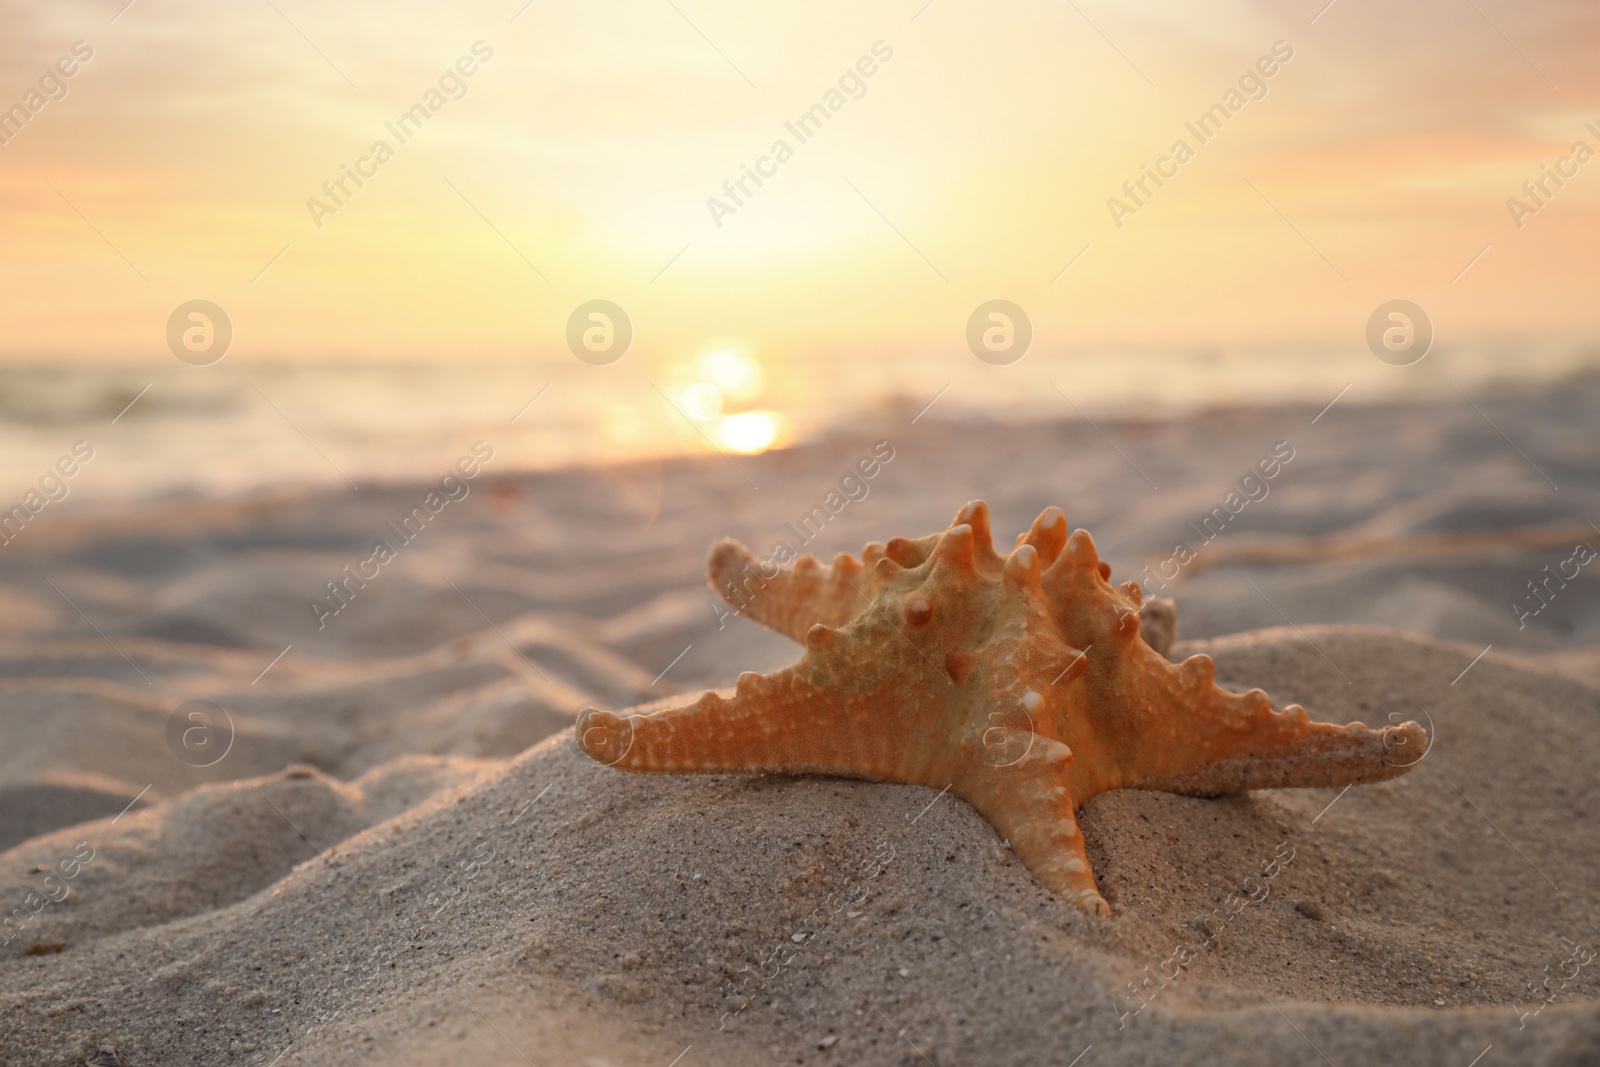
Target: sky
976 162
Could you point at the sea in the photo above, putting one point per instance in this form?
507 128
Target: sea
166 428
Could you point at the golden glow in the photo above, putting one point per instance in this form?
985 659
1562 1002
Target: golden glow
923 197
702 401
621 423
751 431
738 376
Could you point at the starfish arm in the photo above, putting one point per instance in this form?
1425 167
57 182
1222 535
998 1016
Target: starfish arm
1029 805
1315 755
773 723
1234 742
797 596
794 598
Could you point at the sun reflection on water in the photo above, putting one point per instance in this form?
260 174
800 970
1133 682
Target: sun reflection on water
721 392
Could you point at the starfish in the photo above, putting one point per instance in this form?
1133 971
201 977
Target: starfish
1020 683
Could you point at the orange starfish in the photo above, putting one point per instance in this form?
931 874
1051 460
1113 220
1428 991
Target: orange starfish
1021 683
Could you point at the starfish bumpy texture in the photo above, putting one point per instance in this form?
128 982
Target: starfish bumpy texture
1023 683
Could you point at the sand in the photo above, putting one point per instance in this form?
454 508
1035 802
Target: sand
403 858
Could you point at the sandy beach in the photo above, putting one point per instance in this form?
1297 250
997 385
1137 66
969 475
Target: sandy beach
240 828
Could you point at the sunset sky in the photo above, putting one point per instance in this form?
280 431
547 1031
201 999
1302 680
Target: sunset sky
976 163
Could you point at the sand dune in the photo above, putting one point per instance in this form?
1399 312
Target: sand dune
402 857
1407 920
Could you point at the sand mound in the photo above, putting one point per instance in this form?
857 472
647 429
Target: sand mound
205 849
374 906
576 912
